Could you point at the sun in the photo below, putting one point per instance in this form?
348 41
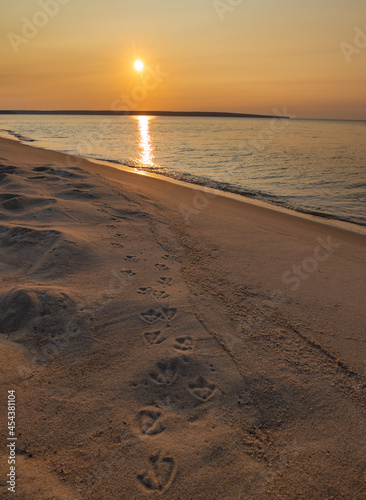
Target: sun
139 65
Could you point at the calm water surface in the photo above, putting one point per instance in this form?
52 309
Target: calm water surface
311 166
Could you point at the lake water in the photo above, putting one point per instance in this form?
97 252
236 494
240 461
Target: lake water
310 166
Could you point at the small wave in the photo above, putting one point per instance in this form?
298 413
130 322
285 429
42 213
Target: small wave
20 137
230 188
356 185
280 201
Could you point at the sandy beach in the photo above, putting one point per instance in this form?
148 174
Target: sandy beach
164 341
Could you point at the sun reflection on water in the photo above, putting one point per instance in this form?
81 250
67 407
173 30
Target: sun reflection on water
146 153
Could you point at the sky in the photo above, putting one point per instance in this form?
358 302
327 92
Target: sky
303 58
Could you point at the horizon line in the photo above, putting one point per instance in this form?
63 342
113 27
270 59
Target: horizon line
223 114
214 114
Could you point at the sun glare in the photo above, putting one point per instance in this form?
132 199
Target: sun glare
139 65
146 154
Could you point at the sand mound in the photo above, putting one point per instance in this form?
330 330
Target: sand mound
58 172
17 308
20 306
20 238
77 194
44 253
7 169
19 203
43 320
5 172
65 258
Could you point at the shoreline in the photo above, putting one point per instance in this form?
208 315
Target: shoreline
359 228
328 219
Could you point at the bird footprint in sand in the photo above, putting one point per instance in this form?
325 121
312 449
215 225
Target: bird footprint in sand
202 389
154 338
153 315
165 372
128 273
158 294
151 422
131 258
165 281
183 344
169 313
161 267
159 474
145 290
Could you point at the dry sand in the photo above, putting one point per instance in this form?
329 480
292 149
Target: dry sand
161 344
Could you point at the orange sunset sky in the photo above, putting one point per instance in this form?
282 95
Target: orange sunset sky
305 56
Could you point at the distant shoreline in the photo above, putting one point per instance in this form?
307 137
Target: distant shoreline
212 114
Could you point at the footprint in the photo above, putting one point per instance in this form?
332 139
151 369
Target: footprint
169 313
166 257
165 281
117 245
131 258
110 226
183 344
160 294
151 422
161 267
120 235
151 316
159 474
165 372
154 338
202 389
145 290
128 273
